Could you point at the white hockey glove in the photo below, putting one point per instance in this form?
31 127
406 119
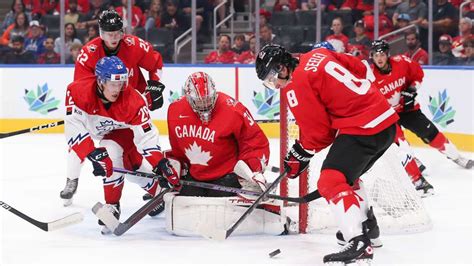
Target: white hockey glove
255 178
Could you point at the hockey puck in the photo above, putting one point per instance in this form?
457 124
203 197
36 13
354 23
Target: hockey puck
274 253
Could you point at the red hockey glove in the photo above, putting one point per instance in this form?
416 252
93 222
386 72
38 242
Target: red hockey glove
408 98
168 175
297 160
154 94
101 162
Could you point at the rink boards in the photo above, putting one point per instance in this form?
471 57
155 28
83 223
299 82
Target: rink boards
33 95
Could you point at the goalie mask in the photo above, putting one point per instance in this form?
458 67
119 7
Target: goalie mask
200 92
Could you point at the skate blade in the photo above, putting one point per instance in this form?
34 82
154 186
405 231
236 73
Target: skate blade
67 202
364 262
426 194
375 243
105 230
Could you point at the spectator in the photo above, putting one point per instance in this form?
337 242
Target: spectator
202 7
220 11
445 17
385 23
403 20
91 18
359 45
415 52
70 37
49 56
285 5
153 15
264 17
338 39
416 9
239 44
173 19
75 49
391 6
465 28
249 56
267 36
19 27
72 15
444 56
223 55
18 54
137 14
92 33
33 8
17 7
52 6
359 8
332 5
468 60
35 40
312 5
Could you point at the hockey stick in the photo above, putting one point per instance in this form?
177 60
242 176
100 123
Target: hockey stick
31 129
119 228
49 226
224 188
218 234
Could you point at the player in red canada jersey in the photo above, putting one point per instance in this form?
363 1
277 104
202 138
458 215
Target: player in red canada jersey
100 107
334 102
135 53
398 78
210 132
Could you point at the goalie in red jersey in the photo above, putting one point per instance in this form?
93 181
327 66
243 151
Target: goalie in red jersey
334 102
99 107
135 53
216 139
398 78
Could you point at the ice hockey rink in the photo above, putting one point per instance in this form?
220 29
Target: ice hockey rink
33 170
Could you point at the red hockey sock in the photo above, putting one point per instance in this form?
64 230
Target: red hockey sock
332 183
413 171
113 191
439 141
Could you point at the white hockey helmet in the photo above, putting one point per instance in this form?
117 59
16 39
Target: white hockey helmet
200 91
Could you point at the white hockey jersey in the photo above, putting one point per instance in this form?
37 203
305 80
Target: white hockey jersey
87 118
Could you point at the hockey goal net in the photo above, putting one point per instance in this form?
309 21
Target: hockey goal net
396 204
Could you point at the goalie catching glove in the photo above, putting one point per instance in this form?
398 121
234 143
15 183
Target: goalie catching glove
408 98
154 94
169 177
101 162
297 160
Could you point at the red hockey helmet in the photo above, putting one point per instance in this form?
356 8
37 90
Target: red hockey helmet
200 91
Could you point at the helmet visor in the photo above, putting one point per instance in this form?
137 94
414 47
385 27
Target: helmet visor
111 37
271 80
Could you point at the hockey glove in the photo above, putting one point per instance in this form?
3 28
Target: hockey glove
101 162
169 178
154 94
297 160
408 98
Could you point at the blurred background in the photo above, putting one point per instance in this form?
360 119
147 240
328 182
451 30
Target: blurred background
434 32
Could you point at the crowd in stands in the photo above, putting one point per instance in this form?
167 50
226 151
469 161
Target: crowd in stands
31 27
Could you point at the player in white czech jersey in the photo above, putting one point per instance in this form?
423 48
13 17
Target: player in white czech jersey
100 107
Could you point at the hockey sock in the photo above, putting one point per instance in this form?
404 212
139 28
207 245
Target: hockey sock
441 143
113 189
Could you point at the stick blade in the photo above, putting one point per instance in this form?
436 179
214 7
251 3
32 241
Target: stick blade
105 216
66 221
205 230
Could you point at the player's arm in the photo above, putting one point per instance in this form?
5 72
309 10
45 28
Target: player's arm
145 137
82 67
414 79
152 62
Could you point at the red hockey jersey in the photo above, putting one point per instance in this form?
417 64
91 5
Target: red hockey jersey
329 92
212 150
405 73
133 51
87 119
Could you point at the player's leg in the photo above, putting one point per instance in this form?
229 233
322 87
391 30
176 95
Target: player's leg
74 166
419 124
348 158
410 165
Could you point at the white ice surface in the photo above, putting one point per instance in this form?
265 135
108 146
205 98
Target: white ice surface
33 172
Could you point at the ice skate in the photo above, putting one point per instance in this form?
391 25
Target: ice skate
69 190
373 231
421 166
423 188
115 210
158 209
464 162
358 249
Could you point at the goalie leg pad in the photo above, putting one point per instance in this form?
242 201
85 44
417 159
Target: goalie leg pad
185 214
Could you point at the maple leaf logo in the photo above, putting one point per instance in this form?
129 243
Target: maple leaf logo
395 99
196 155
